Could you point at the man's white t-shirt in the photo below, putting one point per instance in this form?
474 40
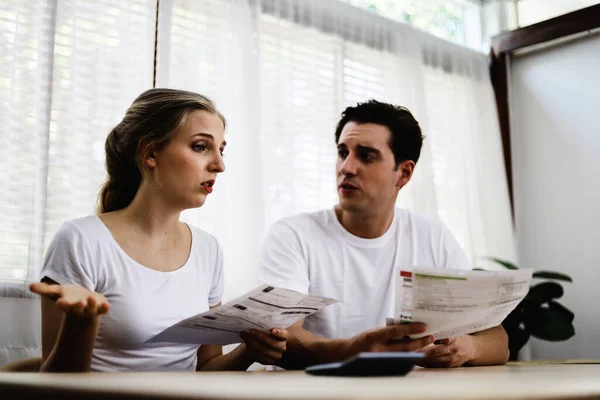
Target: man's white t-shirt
143 301
313 253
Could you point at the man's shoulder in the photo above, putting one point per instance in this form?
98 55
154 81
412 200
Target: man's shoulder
308 226
431 237
418 222
418 219
306 220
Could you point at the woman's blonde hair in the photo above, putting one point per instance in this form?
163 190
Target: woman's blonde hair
148 126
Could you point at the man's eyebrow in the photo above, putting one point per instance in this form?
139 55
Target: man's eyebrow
369 149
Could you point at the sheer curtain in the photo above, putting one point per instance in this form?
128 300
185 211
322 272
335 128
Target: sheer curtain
26 42
68 71
282 71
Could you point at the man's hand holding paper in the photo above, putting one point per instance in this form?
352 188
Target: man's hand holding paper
450 352
456 302
265 348
462 310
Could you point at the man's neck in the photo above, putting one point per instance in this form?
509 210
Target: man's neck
365 226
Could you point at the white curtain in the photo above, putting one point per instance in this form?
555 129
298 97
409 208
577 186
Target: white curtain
282 71
68 71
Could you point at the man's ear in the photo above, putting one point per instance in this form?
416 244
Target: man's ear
405 170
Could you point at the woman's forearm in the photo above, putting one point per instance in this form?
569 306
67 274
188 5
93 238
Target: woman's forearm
74 345
235 360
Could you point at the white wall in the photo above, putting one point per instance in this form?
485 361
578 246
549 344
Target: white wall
20 330
555 133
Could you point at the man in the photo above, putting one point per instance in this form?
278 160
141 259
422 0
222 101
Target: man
353 252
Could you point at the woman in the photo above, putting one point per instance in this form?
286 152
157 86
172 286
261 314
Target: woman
136 258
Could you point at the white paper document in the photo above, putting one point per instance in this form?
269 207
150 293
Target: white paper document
457 302
263 308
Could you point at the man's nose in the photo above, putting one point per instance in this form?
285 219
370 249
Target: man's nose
348 166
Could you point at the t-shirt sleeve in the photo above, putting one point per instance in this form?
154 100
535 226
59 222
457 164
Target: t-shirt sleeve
453 255
282 262
67 261
218 282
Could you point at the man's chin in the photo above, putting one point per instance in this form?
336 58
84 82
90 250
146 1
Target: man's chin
350 206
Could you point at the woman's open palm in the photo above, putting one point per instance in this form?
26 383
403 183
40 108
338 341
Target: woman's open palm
73 299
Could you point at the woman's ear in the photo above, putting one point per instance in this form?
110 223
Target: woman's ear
150 161
405 171
148 152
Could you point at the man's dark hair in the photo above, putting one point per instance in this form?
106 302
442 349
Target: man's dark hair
405 139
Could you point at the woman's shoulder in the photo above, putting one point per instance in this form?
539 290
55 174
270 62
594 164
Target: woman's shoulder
72 254
89 222
205 244
202 236
89 229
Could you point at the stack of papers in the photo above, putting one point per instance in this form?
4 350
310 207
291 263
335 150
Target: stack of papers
457 302
263 308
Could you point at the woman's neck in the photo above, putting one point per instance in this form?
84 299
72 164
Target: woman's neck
151 215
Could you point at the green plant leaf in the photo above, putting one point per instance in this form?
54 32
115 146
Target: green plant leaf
544 292
526 305
478 269
552 275
568 314
506 264
517 336
516 340
552 323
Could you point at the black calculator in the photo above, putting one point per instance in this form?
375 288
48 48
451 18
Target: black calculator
370 364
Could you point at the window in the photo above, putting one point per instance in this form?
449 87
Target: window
454 20
533 11
70 69
68 72
25 54
301 93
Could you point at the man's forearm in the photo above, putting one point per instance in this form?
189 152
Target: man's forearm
305 349
491 347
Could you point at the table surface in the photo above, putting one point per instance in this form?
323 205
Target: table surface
513 381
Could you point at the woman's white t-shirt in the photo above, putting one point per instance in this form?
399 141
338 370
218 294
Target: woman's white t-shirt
143 301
